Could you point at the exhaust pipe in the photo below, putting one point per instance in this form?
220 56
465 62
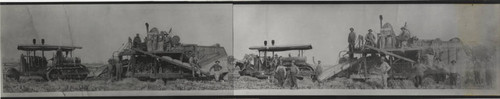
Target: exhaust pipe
381 18
147 27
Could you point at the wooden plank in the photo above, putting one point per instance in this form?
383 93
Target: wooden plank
389 53
329 72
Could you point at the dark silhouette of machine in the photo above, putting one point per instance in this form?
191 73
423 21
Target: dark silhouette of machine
62 66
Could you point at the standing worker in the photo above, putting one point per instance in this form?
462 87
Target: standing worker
453 73
404 37
370 38
193 63
318 71
351 40
280 75
384 67
294 70
216 70
360 41
137 41
161 41
420 68
167 42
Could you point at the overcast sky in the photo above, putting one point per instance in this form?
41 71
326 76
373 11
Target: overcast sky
102 28
326 26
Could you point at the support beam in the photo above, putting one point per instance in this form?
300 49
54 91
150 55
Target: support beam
389 53
170 60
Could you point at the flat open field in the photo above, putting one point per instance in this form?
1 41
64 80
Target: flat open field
234 81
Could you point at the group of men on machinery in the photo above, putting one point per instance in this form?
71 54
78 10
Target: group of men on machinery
386 39
156 40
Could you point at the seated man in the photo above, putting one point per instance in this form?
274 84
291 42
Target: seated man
216 70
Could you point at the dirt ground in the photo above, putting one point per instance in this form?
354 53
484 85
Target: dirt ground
34 84
233 81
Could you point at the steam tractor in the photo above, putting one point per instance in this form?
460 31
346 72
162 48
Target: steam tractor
62 66
162 56
263 65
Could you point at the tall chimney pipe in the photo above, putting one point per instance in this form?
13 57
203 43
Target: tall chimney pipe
381 18
272 42
147 27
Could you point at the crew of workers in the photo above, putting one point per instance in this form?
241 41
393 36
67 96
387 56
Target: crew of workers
155 40
386 39
446 72
285 71
287 74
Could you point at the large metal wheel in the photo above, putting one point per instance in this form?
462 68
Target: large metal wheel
54 75
83 76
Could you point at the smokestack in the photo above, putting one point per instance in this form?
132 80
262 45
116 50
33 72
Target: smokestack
381 18
147 27
34 41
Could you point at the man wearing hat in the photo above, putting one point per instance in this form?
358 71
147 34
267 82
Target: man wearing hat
217 70
294 71
351 39
370 38
137 41
318 71
280 75
384 67
404 36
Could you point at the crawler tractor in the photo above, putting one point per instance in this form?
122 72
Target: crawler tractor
62 66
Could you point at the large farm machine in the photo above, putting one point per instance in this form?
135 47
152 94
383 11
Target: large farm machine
401 57
162 56
263 65
62 66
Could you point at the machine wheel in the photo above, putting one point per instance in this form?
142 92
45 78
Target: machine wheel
82 77
54 75
13 74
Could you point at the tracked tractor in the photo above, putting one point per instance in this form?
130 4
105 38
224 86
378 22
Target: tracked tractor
61 66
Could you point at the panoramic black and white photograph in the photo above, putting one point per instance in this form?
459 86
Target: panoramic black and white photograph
249 49
366 46
111 47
